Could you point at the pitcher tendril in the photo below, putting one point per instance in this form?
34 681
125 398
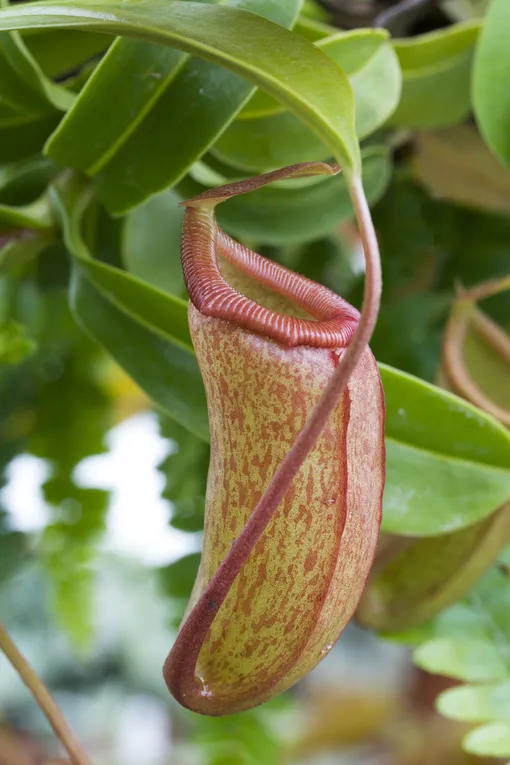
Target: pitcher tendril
294 494
44 699
465 317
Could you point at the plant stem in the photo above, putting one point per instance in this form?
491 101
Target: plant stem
179 669
44 699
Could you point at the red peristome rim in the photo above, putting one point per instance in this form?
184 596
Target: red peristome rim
210 293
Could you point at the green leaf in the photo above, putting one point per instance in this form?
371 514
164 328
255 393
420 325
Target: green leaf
472 247
504 558
261 104
436 69
202 99
177 578
151 242
13 548
490 80
22 182
460 10
151 306
24 88
25 138
92 132
416 350
133 142
18 247
59 53
477 703
463 659
37 215
15 343
489 741
167 372
284 64
352 51
144 329
281 139
471 642
313 14
423 491
297 214
185 474
448 464
423 576
460 430
72 415
67 548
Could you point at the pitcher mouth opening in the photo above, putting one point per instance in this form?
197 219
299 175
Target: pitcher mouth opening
203 243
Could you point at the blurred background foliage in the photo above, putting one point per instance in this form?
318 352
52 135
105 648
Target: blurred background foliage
97 620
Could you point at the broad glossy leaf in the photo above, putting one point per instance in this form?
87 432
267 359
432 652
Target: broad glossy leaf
269 142
436 69
423 490
285 65
353 51
25 138
151 242
490 80
133 140
92 132
448 464
151 306
113 307
261 104
281 139
165 371
286 215
194 109
59 53
24 88
313 27
22 182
